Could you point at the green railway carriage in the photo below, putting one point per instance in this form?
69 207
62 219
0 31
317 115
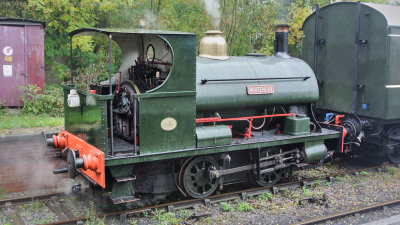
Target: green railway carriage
171 121
354 49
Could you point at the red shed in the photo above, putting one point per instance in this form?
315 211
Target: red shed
22 57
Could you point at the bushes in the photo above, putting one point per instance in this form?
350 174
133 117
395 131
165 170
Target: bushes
50 102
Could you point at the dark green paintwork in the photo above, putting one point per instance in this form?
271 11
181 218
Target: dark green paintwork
378 59
315 150
298 125
121 189
218 149
175 98
213 136
88 119
233 94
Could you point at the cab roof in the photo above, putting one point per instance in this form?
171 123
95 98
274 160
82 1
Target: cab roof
390 12
123 32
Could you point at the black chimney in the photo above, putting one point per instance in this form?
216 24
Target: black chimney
281 40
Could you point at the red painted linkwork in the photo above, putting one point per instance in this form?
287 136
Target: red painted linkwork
247 134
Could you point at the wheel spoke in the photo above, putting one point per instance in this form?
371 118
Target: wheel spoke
197 168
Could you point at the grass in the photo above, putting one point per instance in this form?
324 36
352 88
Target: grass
363 173
2 192
393 170
317 183
285 192
225 207
344 179
165 217
244 207
91 216
266 196
35 206
306 192
26 121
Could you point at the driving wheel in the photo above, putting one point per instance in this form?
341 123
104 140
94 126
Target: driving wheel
195 179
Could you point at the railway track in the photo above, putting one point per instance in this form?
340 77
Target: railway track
242 194
27 199
347 213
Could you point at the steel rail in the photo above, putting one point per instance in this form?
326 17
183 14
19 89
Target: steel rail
26 199
243 194
351 212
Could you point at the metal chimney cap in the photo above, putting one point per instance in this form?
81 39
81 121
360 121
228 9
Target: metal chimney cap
213 46
213 32
282 28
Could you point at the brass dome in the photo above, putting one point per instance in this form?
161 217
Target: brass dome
213 46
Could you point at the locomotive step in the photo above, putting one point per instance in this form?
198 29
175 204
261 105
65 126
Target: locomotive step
124 179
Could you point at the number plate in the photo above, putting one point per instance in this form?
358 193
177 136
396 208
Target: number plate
260 89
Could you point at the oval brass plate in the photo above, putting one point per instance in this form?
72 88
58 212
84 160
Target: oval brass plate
168 124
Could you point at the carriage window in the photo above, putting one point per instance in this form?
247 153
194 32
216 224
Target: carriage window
150 54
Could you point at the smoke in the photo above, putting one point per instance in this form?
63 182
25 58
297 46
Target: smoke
25 168
212 7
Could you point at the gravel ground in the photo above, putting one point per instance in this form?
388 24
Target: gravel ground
343 194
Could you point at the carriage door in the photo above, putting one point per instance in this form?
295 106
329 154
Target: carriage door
12 68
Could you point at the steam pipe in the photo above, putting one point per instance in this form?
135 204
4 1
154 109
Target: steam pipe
111 101
70 55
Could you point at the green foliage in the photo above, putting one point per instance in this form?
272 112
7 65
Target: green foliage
285 192
363 173
306 192
183 15
393 170
25 121
328 184
3 103
225 207
35 206
317 183
247 25
184 213
2 192
49 102
3 220
244 207
165 217
266 196
91 216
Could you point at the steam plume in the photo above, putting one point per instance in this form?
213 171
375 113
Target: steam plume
212 7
